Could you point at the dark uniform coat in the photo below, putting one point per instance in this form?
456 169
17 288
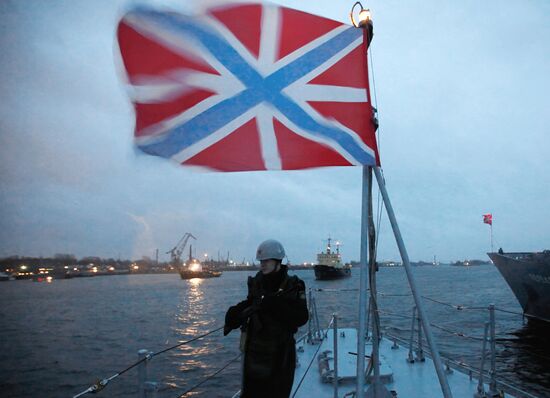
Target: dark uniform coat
269 317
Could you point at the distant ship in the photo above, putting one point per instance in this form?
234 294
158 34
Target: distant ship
528 275
329 264
468 263
193 269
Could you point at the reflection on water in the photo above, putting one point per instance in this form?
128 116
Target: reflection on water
194 317
527 354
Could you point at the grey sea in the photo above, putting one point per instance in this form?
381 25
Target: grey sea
57 338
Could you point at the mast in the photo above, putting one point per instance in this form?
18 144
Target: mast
365 23
376 388
361 333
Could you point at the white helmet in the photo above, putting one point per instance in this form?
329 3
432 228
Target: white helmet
269 249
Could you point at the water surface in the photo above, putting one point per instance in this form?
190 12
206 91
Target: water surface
57 338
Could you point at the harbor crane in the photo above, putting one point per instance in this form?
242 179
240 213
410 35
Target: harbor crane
176 251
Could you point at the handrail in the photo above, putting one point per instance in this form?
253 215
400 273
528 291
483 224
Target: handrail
523 314
464 307
455 333
458 307
383 312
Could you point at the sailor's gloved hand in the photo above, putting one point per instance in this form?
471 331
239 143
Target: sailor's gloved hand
248 311
232 320
236 316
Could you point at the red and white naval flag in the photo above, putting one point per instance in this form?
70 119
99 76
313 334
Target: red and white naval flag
249 87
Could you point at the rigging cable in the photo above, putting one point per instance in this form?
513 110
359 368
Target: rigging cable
211 376
100 384
186 342
310 362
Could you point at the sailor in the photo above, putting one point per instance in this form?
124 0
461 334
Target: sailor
272 312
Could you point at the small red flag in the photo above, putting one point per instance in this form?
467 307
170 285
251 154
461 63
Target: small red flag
488 219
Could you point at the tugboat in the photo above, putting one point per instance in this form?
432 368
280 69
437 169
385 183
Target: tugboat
193 269
329 264
528 275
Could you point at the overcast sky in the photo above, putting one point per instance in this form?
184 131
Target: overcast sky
462 91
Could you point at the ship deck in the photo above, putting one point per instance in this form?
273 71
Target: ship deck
409 380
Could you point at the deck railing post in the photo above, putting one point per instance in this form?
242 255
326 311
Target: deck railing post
420 351
310 319
151 389
142 372
480 389
410 358
319 332
335 352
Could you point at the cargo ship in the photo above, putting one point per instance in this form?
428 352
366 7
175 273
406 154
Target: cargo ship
329 264
528 275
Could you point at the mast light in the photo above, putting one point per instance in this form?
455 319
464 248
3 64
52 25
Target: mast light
364 16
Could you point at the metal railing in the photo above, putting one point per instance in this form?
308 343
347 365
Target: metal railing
495 385
416 345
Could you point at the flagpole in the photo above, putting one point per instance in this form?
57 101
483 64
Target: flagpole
376 389
412 283
492 250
